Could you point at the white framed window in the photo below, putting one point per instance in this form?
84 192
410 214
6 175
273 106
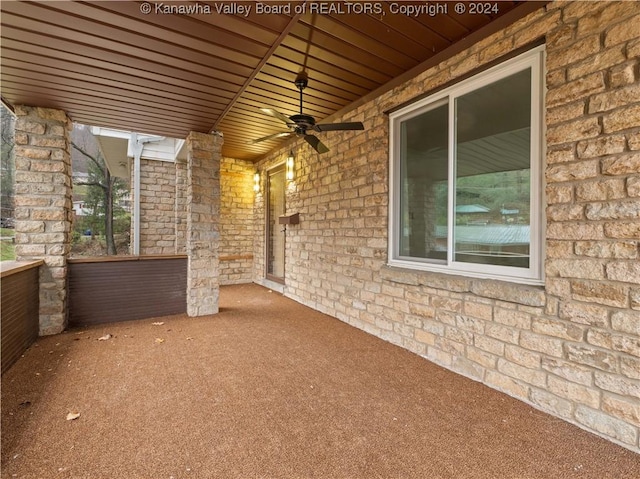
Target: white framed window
466 176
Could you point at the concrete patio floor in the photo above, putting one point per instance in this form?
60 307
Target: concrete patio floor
269 388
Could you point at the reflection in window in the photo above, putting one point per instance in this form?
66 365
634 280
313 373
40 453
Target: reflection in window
465 189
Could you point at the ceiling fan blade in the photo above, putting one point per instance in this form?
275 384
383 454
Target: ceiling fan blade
316 143
356 125
270 137
277 114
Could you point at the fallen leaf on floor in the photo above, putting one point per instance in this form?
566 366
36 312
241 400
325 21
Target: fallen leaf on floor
73 416
159 323
159 340
106 337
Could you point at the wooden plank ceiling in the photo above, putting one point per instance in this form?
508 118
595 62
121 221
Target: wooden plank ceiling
111 64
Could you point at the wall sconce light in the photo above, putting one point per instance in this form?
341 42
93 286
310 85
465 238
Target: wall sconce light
290 166
256 182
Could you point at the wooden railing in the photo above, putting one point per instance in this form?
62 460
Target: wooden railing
20 308
120 288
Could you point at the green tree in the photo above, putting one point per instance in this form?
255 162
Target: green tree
7 164
103 190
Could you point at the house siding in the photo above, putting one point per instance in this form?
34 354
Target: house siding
570 347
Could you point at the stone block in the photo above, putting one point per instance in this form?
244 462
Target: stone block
32 153
607 425
485 359
628 272
613 99
567 112
557 329
590 356
630 367
48 141
621 119
559 194
574 130
509 292
601 293
572 172
622 75
626 322
489 345
523 357
574 392
617 384
578 231
621 165
634 298
624 31
575 268
29 251
551 403
30 127
578 89
600 146
467 368
478 310
625 409
556 78
506 384
568 54
568 370
561 153
559 249
600 61
565 212
468 323
509 317
601 189
622 230
633 186
541 344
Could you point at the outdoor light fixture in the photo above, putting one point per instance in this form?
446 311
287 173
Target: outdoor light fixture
290 166
256 182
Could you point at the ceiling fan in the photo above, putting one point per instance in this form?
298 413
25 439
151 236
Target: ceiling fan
299 124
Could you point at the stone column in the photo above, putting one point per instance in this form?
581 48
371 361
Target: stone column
44 207
203 213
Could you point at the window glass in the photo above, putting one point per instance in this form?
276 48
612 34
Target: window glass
423 170
492 160
465 180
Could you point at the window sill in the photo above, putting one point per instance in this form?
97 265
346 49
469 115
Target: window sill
523 294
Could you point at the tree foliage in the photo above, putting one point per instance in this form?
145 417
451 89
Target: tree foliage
102 190
7 164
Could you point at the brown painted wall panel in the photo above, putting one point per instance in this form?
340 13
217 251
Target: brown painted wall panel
20 304
111 290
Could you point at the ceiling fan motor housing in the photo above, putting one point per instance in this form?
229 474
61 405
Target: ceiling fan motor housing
302 80
303 121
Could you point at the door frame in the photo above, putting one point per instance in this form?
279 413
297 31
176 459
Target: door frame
275 169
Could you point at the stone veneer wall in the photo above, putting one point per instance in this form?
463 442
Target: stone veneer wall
158 226
181 207
236 221
43 205
572 347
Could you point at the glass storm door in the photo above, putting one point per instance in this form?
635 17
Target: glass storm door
275 232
